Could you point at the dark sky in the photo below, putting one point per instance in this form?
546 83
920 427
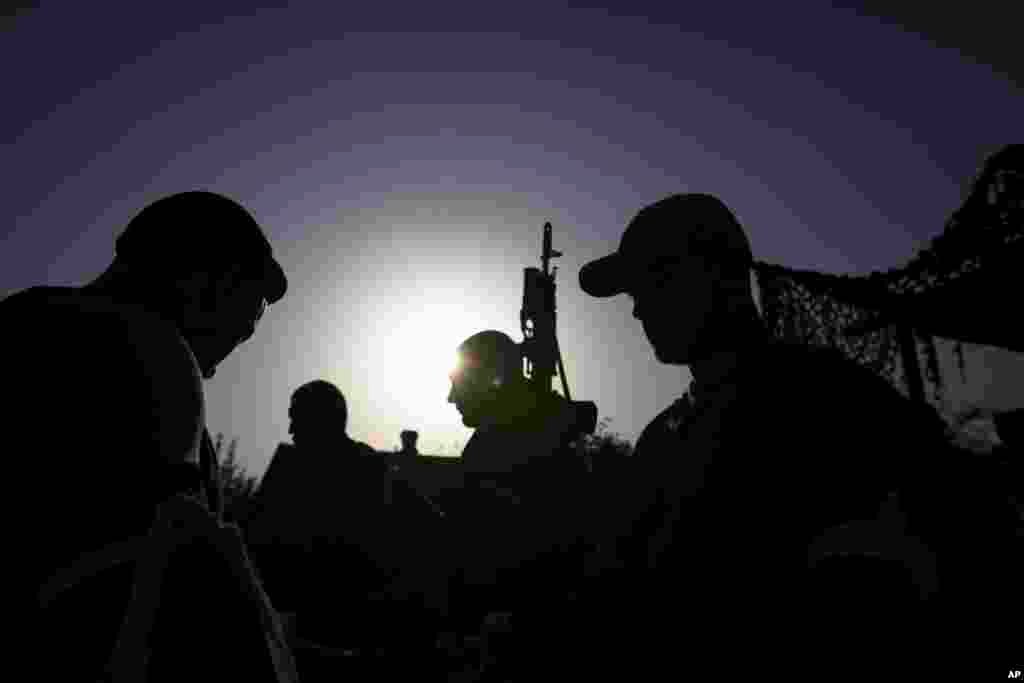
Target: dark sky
403 157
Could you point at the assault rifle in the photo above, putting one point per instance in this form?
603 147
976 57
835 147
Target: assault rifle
541 353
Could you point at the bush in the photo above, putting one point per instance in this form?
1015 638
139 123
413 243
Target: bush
604 444
238 487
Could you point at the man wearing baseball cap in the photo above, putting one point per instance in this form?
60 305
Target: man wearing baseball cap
771 447
107 422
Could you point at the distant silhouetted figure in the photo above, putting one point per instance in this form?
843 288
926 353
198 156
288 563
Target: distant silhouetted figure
337 537
764 495
105 419
319 493
298 494
409 438
517 528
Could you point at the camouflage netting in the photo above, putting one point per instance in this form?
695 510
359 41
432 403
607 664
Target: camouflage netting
807 307
978 251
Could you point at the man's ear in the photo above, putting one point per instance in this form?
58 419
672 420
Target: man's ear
727 288
194 289
219 285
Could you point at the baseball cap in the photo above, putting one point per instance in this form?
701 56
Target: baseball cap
679 225
203 227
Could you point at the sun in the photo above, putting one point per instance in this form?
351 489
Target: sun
415 356
424 360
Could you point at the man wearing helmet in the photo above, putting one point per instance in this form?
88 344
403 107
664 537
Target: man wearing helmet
110 416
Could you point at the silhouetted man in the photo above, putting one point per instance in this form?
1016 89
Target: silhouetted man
741 490
409 438
340 540
106 423
517 534
320 501
312 482
299 489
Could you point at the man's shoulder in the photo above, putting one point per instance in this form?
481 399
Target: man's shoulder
33 300
83 323
788 352
37 308
85 346
51 298
282 453
364 449
822 383
503 448
666 430
349 454
794 368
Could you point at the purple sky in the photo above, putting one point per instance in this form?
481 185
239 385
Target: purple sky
404 158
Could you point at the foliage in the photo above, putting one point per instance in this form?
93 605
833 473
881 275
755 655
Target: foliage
604 443
817 309
238 487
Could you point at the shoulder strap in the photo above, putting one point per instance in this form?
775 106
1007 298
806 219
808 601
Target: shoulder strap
88 565
179 521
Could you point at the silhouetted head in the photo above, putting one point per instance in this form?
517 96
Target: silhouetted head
202 261
318 414
490 363
409 438
685 261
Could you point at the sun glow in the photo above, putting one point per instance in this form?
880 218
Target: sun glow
412 360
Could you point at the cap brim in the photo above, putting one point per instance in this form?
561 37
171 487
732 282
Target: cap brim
604 277
276 282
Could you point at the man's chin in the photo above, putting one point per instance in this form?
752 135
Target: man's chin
207 366
470 421
670 356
